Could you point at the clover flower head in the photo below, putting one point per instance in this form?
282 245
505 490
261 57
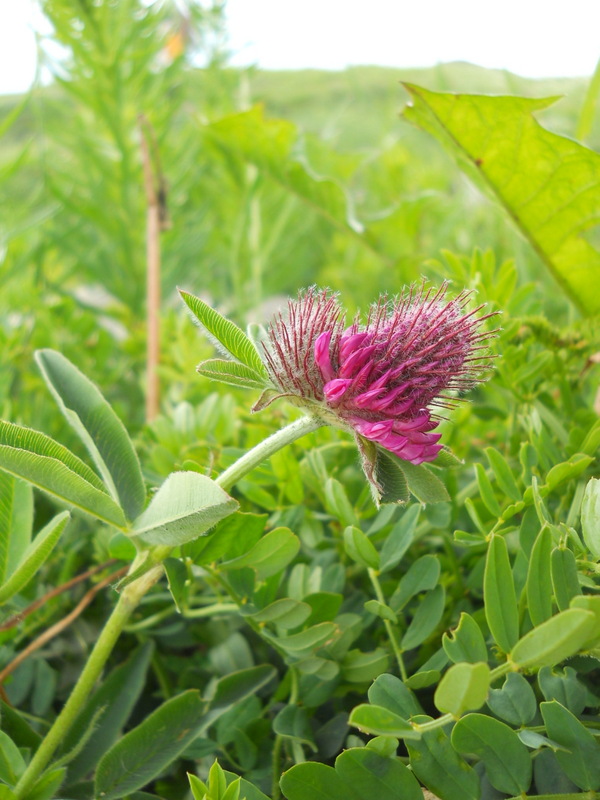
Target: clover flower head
384 378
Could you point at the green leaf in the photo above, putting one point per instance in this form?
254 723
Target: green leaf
506 759
548 184
360 548
393 486
98 427
558 638
436 764
465 642
503 474
115 700
309 639
486 491
16 521
370 775
380 721
338 504
177 577
501 609
232 338
271 145
565 687
285 613
12 764
568 470
426 619
148 749
269 555
422 575
231 372
391 693
315 781
463 688
515 702
57 480
381 610
582 762
234 688
422 483
399 539
232 537
590 516
293 722
16 436
185 507
539 578
359 667
36 554
47 786
589 603
565 581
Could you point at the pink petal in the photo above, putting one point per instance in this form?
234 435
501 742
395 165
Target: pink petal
348 343
322 359
334 390
372 430
356 360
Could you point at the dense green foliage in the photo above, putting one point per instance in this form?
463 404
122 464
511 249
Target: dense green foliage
301 638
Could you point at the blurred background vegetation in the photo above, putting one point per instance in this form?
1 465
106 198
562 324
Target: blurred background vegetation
273 181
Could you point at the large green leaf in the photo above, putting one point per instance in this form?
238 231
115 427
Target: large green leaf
16 520
185 507
581 762
506 759
549 185
146 750
269 144
35 555
53 477
114 700
22 438
435 762
227 334
99 428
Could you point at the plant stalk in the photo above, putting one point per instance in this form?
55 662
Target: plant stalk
389 627
266 448
126 604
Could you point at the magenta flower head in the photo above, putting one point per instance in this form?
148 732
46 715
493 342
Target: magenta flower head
384 378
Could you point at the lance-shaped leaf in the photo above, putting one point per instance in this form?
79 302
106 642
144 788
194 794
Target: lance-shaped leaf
16 521
98 427
22 438
55 478
226 333
35 555
185 507
231 372
549 185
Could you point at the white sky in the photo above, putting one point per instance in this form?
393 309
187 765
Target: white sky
535 38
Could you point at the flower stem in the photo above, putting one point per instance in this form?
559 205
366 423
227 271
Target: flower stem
389 627
266 448
126 604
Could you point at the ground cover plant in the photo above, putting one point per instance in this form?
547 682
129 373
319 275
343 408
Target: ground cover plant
316 572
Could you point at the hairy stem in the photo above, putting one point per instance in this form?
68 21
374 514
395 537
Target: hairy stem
266 448
126 604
